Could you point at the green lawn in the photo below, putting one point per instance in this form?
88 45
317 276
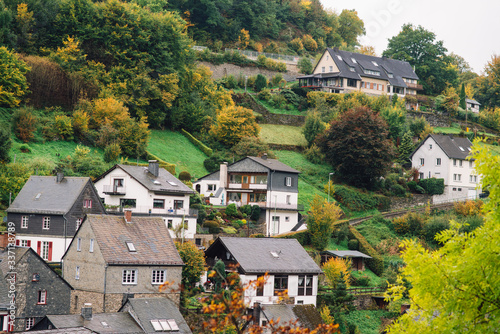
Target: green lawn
282 134
368 322
173 147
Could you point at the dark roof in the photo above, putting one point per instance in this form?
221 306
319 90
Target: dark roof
281 314
164 182
349 253
274 165
472 101
149 236
147 309
113 322
260 255
42 194
76 330
453 147
4 292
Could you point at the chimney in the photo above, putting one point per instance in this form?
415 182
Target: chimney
264 156
128 215
87 311
59 177
223 175
256 313
154 167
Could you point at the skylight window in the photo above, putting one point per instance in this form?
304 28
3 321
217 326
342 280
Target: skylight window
461 148
38 195
172 183
164 325
468 148
275 254
374 63
339 57
157 182
354 61
130 246
104 324
173 324
352 69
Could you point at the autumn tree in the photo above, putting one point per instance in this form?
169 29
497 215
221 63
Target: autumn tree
350 27
453 289
234 123
194 263
320 221
305 65
367 50
357 146
313 127
243 39
488 85
336 268
13 84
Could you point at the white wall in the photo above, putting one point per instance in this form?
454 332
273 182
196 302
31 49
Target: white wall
59 244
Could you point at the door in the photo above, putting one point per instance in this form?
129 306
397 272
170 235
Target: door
245 182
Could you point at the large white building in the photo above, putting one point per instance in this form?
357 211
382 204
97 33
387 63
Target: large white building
268 183
447 157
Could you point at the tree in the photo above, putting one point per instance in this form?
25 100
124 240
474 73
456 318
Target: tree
454 288
234 123
313 127
305 66
243 39
419 47
13 83
462 103
252 146
260 83
320 221
406 147
336 268
488 85
357 146
5 144
450 102
194 263
367 50
350 27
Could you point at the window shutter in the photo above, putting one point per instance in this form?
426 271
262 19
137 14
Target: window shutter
39 247
29 243
50 252
17 242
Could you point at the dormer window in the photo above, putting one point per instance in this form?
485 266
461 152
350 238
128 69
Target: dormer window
172 183
352 69
130 246
390 75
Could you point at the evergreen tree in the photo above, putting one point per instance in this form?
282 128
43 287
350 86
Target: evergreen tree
5 144
260 83
405 148
313 127
462 103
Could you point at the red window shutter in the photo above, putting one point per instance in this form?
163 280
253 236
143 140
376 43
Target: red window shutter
17 242
50 252
39 247
29 243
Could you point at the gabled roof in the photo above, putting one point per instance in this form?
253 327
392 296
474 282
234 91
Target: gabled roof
304 315
149 236
44 195
147 309
100 322
472 101
261 255
453 147
4 292
349 253
164 182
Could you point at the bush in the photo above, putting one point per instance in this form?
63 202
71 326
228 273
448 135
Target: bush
212 163
432 186
471 223
205 149
264 95
314 155
260 83
184 176
246 209
356 200
24 124
303 237
112 152
433 227
255 213
212 225
410 224
468 208
231 210
376 263
276 79
353 244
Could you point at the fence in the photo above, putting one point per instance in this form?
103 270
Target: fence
366 291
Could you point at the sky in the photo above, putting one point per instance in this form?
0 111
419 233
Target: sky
470 29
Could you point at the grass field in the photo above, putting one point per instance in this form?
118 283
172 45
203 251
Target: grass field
368 322
173 147
282 134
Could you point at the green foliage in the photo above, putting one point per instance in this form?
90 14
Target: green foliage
396 121
488 85
205 149
194 263
63 126
314 155
356 200
406 148
13 176
184 176
320 221
212 163
255 213
231 210
24 123
5 144
260 83
353 244
305 65
251 146
13 83
462 104
82 162
432 186
112 152
313 127
376 263
212 225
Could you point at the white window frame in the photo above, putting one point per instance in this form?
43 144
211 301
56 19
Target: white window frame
30 322
24 221
323 69
87 204
78 244
288 181
422 161
129 276
78 223
77 272
91 246
42 297
438 161
44 253
46 223
158 276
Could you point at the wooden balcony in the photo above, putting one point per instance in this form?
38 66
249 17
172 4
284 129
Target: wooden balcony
414 86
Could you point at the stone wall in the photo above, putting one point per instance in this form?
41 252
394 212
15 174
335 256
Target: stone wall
400 203
80 297
442 120
220 71
364 302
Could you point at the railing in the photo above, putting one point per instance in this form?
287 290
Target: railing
366 291
414 86
111 189
156 211
271 206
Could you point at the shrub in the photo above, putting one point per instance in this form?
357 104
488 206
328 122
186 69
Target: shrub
231 210
398 190
356 200
24 124
314 155
433 227
184 176
353 244
276 79
205 149
432 186
471 223
303 237
212 225
410 224
309 43
212 163
264 95
112 152
63 127
255 213
376 263
246 209
468 208
260 83
363 281
25 148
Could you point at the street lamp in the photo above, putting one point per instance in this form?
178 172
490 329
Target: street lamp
329 174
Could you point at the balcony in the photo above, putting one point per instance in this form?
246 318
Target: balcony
114 190
272 206
414 86
145 210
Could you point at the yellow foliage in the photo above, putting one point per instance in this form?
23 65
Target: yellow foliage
243 38
469 91
334 267
258 47
468 208
168 84
234 123
108 111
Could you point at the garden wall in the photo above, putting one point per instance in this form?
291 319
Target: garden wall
399 203
220 71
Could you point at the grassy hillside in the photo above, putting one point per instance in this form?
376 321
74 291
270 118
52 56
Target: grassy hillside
282 134
173 147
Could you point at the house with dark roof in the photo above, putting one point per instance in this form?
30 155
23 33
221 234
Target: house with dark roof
286 262
305 316
448 157
39 290
343 72
114 258
268 183
357 258
472 105
49 209
150 191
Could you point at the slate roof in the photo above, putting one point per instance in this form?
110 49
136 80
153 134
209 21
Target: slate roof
164 182
451 146
472 101
76 330
114 322
43 195
18 254
147 309
4 292
283 313
255 255
149 235
349 253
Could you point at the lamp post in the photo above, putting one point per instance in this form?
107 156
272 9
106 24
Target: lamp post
329 174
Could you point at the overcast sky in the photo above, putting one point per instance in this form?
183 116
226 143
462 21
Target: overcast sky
470 29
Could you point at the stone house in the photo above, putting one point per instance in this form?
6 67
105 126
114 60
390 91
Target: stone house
114 258
287 263
39 290
149 191
357 258
49 209
472 105
268 183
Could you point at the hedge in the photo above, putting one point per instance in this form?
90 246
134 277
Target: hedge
303 237
204 148
376 263
432 186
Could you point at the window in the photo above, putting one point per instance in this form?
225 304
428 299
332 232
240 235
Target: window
473 178
35 277
235 178
260 289
454 162
178 204
323 69
288 181
127 203
339 57
169 223
326 57
460 163
46 223
91 246
287 218
354 61
158 203
470 164
351 83
305 285
422 161
280 284
45 250
430 146
288 199
130 246
331 68
129 276
87 203
421 176
77 273
29 323
371 72
78 223
211 187
24 222
78 244
438 161
158 276
390 75
42 297
457 177
25 243
352 69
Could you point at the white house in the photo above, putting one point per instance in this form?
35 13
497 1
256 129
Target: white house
268 183
447 157
288 265
149 191
472 105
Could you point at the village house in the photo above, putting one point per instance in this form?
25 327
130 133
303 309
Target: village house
344 72
149 191
48 211
39 290
114 258
472 105
288 265
448 157
356 257
268 183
